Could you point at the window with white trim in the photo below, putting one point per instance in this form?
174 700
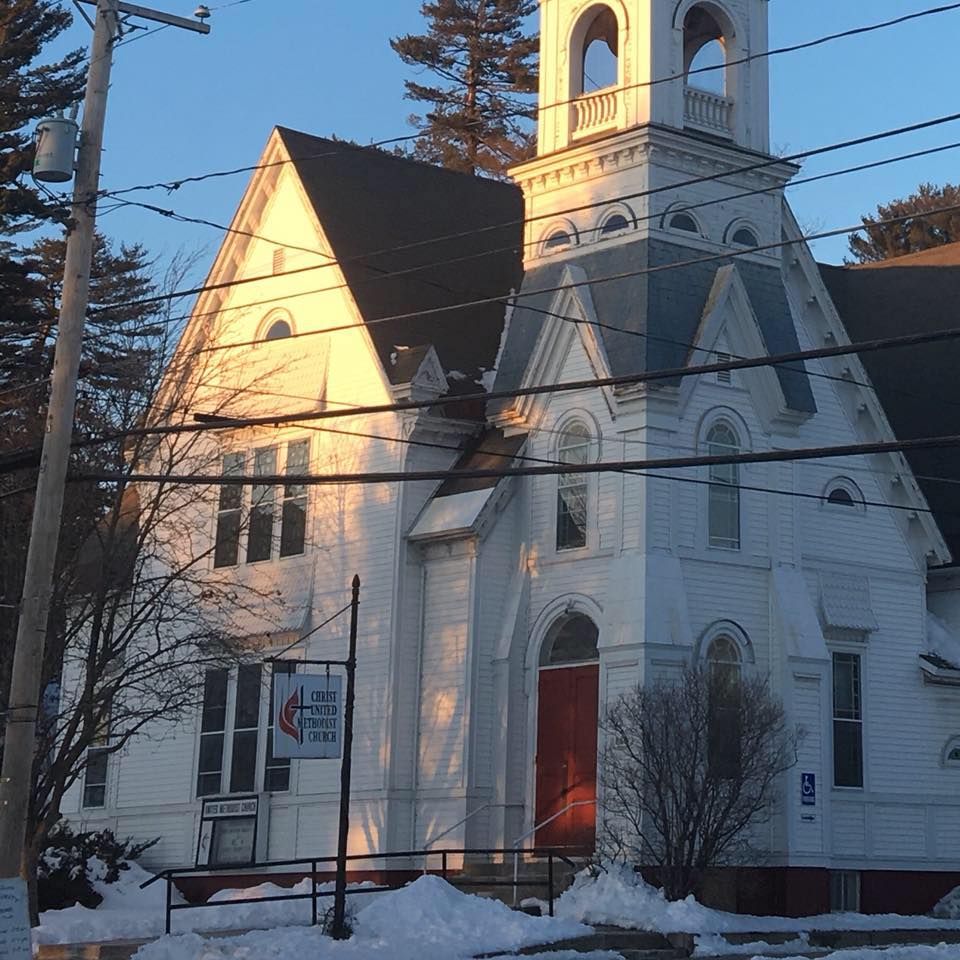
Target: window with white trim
97 768
236 750
723 497
847 720
573 488
276 519
724 673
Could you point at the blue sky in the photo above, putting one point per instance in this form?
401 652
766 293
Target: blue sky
183 104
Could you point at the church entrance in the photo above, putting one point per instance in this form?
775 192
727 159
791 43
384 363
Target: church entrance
567 716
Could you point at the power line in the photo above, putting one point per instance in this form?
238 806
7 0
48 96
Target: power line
694 181
675 373
171 185
513 297
615 466
764 55
201 221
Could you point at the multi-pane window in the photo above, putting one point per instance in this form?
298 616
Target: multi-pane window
573 488
213 724
293 521
233 726
229 514
723 504
723 734
246 729
844 891
263 517
96 769
276 771
847 721
262 511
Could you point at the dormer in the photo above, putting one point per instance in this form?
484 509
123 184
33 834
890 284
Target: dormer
687 64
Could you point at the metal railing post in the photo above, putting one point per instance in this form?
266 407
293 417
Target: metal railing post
550 880
313 884
516 871
443 864
166 923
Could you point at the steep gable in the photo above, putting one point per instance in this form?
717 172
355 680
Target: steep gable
917 386
385 214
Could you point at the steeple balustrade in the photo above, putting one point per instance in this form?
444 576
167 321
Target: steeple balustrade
708 111
595 112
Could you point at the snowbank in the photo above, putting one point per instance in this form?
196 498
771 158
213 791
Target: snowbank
949 907
942 951
129 913
427 920
621 897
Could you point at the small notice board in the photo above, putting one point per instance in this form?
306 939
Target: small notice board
229 829
14 921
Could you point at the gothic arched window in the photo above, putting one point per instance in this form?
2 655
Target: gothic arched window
573 489
724 675
723 500
571 639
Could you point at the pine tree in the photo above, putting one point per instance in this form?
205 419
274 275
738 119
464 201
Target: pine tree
486 66
884 242
30 91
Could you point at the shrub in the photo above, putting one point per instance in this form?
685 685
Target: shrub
71 862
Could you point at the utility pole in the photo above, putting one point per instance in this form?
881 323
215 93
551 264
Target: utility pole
25 692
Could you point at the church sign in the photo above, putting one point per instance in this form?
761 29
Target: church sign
308 717
14 921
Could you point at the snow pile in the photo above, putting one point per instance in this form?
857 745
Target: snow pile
949 907
427 920
129 913
942 951
713 945
941 641
620 897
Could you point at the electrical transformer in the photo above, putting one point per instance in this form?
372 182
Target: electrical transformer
56 144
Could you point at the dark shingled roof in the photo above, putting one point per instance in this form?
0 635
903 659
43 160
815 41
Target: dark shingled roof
369 201
918 386
491 450
667 306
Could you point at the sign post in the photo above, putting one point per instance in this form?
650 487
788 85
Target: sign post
313 720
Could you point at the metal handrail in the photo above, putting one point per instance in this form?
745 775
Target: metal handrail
533 830
313 863
449 830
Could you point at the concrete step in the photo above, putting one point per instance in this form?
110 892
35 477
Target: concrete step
630 944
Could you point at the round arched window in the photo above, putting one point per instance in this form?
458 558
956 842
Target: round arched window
745 237
571 639
841 497
616 223
684 222
558 240
278 330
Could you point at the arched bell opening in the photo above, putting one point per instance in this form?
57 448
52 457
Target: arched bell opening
595 51
704 51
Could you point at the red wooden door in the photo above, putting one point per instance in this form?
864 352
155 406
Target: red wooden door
567 756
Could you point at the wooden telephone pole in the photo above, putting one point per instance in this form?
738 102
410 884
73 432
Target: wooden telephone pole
25 692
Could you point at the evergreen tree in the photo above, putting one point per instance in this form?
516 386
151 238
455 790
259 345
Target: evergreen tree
30 91
884 242
486 66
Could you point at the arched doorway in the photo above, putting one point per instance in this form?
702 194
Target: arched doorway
567 714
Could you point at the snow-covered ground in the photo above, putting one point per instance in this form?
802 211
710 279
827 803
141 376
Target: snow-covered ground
949 907
430 920
427 920
621 898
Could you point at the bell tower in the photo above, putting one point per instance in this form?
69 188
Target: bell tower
646 50
649 112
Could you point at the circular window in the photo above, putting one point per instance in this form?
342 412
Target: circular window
279 330
571 639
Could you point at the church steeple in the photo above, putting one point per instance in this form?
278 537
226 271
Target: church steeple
637 140
646 42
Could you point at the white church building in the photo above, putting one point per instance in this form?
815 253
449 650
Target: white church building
500 616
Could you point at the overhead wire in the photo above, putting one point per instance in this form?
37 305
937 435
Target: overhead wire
606 201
